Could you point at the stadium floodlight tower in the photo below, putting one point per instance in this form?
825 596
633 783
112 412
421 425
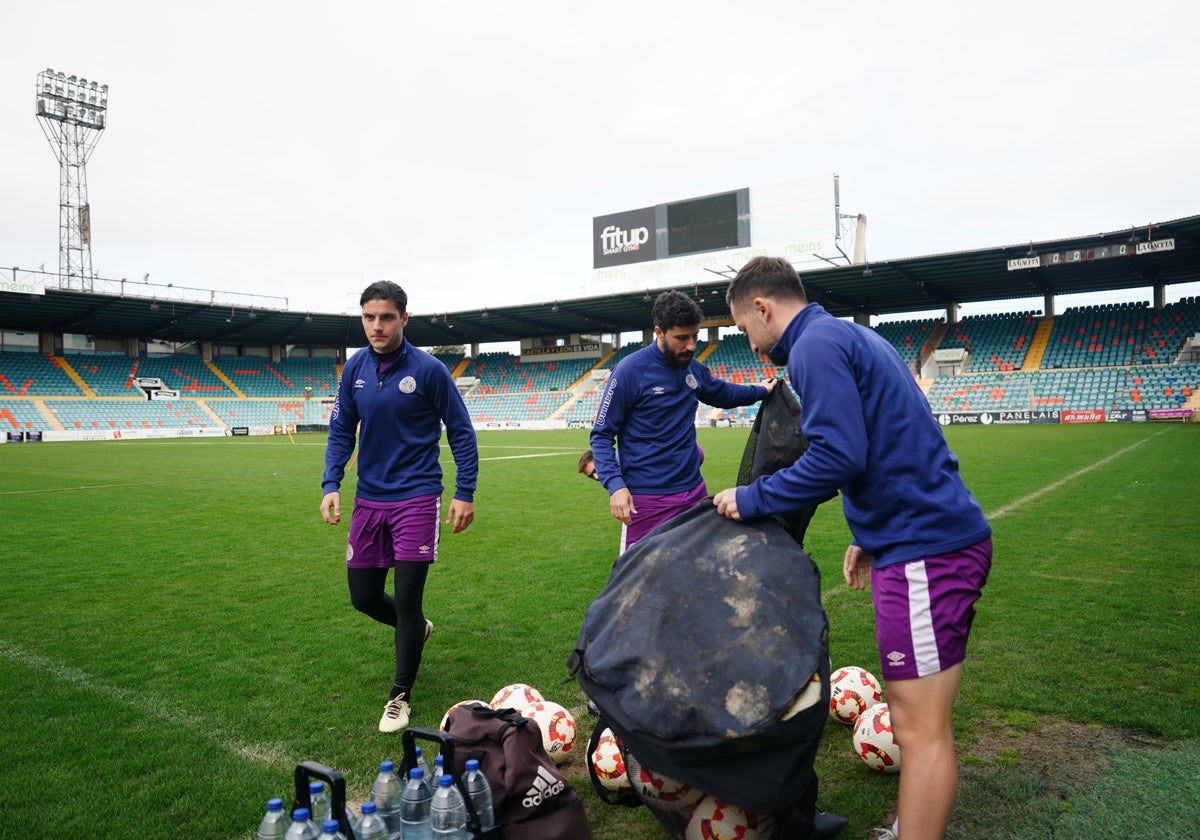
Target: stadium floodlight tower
72 112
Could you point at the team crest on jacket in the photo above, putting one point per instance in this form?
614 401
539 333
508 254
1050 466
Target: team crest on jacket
691 381
408 385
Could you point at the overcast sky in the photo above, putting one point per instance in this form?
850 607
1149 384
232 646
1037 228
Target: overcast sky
303 150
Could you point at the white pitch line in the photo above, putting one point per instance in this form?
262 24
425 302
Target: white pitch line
1050 488
272 755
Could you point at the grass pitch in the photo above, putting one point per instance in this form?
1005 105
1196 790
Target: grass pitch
175 633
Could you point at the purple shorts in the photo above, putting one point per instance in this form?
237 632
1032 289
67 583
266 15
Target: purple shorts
384 533
653 511
924 609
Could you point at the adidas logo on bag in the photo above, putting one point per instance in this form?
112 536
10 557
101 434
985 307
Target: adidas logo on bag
544 787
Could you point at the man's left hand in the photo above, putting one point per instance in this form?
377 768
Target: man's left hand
726 503
461 514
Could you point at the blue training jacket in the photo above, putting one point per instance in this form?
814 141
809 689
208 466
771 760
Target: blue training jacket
873 436
649 411
398 417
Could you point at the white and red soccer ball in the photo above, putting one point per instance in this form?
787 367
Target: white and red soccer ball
874 741
557 726
716 819
608 765
516 696
446 717
852 690
664 791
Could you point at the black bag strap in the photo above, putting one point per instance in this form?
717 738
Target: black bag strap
627 798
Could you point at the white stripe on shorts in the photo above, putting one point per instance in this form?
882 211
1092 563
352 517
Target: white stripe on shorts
920 618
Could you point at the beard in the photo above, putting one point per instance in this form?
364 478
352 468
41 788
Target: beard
681 360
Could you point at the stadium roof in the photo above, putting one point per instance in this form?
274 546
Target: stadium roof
912 284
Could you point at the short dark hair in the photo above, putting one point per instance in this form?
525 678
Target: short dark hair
675 309
385 290
771 277
585 459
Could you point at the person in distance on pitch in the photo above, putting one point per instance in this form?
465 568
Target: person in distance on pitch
397 396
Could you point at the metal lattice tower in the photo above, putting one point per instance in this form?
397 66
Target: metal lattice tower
72 112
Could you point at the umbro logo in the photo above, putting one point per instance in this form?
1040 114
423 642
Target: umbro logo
545 785
358 383
658 389
896 658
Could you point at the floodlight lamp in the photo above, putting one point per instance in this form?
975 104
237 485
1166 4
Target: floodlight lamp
253 315
646 298
308 318
1132 236
867 272
483 314
154 306
433 319
554 308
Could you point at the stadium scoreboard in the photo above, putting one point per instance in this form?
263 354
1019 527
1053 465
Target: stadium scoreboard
682 241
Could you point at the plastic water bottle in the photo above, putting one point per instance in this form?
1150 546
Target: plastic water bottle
415 807
422 763
448 812
302 828
480 793
439 768
386 793
320 806
371 826
275 822
330 831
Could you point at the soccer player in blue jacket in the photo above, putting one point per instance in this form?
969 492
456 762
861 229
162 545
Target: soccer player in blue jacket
396 398
919 535
648 412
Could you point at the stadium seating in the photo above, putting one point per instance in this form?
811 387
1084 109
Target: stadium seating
995 342
908 337
33 374
19 416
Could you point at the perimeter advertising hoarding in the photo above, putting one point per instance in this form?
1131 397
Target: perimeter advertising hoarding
1053 416
636 249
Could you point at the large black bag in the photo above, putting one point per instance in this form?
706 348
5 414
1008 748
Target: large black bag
708 655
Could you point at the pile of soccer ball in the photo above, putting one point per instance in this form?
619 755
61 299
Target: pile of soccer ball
555 722
855 698
709 818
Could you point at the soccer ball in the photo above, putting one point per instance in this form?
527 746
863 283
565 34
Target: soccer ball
516 696
716 819
608 766
661 790
852 691
874 741
557 725
446 717
808 698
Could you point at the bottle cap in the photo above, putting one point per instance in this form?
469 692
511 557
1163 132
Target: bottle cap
446 780
300 814
368 807
330 826
387 766
275 804
416 773
316 787
472 764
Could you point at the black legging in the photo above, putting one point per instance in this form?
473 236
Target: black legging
368 594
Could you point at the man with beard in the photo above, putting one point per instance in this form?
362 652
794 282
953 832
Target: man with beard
648 412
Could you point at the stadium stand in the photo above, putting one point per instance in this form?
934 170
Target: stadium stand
33 374
1125 356
995 342
908 337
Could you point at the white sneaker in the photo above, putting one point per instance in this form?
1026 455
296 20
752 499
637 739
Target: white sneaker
395 715
428 629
